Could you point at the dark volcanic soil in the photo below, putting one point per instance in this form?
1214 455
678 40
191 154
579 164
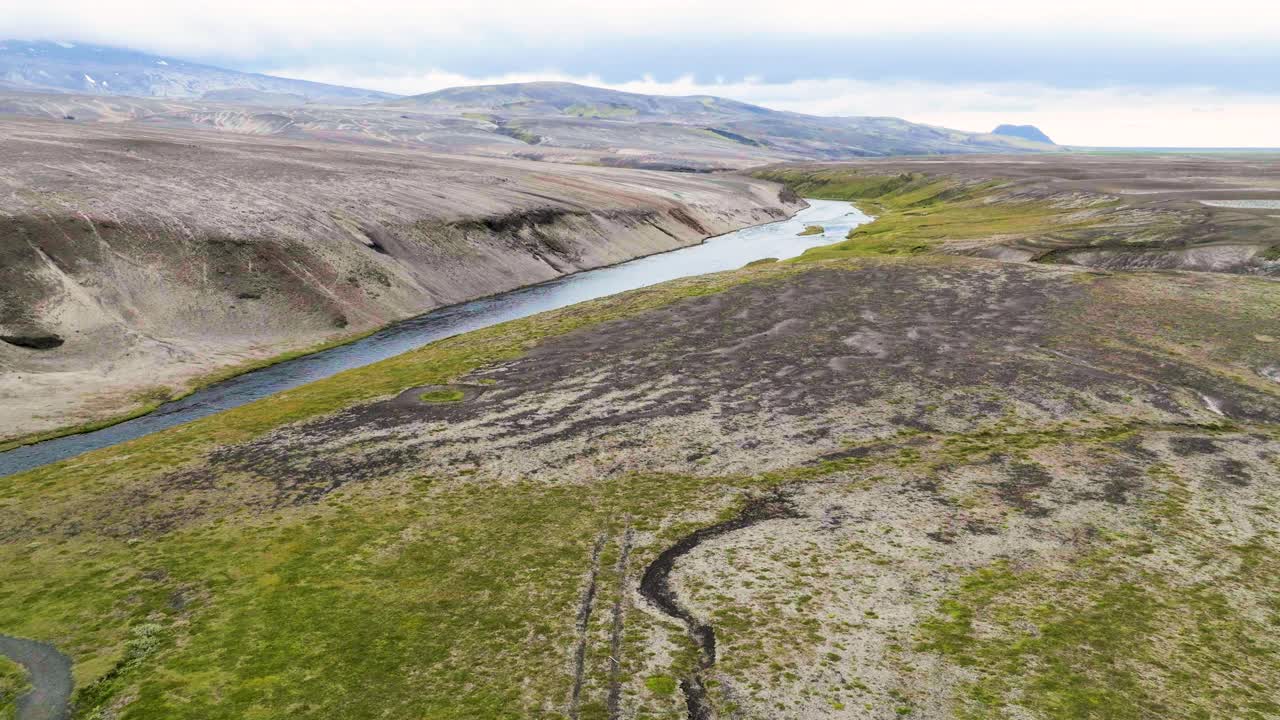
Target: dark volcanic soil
766 375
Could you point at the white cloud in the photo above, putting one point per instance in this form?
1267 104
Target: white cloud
244 27
314 33
1128 117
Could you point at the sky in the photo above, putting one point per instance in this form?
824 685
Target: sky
1089 72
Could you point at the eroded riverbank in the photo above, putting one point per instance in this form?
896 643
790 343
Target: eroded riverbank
724 252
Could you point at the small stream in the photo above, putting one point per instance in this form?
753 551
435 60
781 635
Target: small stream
724 252
50 675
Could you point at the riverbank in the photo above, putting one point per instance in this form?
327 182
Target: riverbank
769 240
157 284
160 396
163 395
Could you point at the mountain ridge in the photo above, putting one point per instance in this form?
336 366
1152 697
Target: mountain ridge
548 120
89 69
542 106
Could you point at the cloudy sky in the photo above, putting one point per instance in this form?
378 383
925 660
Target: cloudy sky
1088 72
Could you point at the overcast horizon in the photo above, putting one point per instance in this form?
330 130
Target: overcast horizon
1126 74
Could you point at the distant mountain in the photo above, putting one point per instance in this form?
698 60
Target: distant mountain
571 99
547 121
547 112
99 70
1026 132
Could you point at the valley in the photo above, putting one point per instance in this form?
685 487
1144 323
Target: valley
890 477
766 242
151 262
532 399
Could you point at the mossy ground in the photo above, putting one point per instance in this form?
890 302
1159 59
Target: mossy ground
13 682
1117 631
1042 527
1133 214
316 613
916 212
445 396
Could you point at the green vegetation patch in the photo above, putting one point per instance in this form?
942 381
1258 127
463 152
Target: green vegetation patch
605 110
916 212
660 684
811 230
519 133
830 184
442 599
13 683
445 395
735 137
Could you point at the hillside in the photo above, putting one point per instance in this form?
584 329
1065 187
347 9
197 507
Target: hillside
567 114
563 98
550 121
1026 132
137 262
722 136
98 70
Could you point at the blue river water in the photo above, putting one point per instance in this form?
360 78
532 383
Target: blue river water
724 252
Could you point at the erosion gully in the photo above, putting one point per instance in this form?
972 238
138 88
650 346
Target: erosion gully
655 586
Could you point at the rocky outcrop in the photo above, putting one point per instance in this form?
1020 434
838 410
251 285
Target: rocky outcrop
33 340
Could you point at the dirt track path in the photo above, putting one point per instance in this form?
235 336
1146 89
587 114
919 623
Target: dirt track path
655 586
50 673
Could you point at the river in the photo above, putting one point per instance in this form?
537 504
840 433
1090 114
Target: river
723 252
